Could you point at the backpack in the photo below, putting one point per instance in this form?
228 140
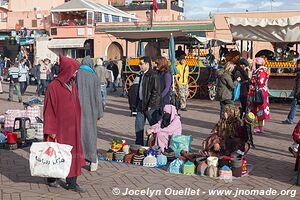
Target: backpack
296 133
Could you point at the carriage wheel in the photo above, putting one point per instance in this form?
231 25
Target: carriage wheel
129 81
193 87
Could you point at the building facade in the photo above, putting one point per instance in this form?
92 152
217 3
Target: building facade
168 10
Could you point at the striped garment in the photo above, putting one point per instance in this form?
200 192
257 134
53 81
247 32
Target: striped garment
14 72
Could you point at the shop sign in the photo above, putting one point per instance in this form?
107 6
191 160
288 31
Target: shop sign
26 41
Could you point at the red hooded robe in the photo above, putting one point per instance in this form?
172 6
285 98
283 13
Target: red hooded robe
62 113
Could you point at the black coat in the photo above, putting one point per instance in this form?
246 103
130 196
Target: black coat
297 85
245 81
151 91
114 68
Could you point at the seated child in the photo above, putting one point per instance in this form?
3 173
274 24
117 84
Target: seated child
169 125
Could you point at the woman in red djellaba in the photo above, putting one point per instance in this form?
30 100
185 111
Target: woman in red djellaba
259 80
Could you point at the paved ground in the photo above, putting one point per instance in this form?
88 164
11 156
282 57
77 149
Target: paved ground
271 163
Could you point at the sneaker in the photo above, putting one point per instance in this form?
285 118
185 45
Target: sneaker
287 122
77 188
183 109
9 99
94 166
54 184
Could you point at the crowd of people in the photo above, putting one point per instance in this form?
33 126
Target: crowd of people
253 86
84 85
151 96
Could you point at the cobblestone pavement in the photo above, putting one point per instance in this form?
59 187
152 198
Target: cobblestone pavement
271 164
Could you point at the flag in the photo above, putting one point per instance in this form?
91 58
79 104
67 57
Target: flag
155 7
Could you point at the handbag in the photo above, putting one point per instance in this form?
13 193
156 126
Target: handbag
258 98
179 143
50 159
237 91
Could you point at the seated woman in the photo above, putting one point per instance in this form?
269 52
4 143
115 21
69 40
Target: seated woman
228 136
169 125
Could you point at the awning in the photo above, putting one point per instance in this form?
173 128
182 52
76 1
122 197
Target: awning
66 43
264 29
212 42
149 34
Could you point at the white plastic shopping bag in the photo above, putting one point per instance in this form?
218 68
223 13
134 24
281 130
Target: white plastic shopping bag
50 159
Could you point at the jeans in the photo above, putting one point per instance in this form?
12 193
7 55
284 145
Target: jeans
23 87
222 105
42 87
13 86
123 88
243 100
152 116
293 111
113 86
103 94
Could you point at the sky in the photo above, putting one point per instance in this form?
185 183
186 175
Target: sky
200 9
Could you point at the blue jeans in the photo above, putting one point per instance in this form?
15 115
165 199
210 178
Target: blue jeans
293 111
113 87
152 116
103 94
23 87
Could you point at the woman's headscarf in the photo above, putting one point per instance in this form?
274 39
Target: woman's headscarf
259 61
88 61
172 111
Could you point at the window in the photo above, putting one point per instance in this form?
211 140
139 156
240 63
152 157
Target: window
125 19
115 18
106 17
21 22
98 17
34 23
53 31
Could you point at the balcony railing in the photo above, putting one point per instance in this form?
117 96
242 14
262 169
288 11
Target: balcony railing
133 7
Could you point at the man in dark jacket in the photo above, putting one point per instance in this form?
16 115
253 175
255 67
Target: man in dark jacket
149 99
114 68
294 105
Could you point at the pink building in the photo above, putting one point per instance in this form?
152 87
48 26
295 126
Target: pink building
32 14
73 25
168 10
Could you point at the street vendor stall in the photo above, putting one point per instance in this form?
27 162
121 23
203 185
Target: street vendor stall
197 59
284 35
